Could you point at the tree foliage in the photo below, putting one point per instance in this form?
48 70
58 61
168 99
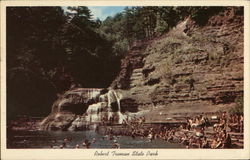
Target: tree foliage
48 49
239 107
147 22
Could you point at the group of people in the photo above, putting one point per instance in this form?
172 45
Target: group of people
197 132
219 136
232 123
236 122
65 143
86 143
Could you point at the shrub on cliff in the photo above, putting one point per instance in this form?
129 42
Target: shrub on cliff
239 108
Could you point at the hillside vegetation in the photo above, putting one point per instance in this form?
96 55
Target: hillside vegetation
191 69
49 51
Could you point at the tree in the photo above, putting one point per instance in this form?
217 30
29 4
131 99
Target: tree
31 35
47 51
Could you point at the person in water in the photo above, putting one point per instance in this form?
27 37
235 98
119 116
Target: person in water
93 140
77 146
115 144
86 144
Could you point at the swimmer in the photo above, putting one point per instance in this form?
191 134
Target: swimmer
54 141
77 146
150 137
116 144
84 144
93 140
87 143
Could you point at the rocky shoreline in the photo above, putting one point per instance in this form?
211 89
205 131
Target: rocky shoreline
197 132
215 132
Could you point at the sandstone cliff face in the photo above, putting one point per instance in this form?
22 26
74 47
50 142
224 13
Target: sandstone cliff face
68 107
190 69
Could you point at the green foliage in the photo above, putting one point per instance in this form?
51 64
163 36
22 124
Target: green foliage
48 50
239 108
201 14
137 23
80 16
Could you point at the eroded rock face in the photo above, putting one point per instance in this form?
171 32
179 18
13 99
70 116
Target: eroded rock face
57 121
199 66
68 107
78 108
190 69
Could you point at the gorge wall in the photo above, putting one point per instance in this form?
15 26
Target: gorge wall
191 69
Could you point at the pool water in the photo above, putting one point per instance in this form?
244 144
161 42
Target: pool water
53 139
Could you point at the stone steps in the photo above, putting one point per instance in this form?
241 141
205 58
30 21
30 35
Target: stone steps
136 77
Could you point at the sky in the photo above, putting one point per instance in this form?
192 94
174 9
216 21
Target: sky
102 12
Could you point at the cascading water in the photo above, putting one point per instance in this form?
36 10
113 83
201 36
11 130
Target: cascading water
109 97
95 112
103 108
121 117
67 110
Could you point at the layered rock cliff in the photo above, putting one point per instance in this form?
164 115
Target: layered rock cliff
191 69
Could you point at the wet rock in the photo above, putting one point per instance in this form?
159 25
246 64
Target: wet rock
57 121
82 108
66 108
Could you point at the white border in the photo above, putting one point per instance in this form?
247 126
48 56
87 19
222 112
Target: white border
163 153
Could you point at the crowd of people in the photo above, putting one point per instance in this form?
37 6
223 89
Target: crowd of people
195 132
198 132
86 144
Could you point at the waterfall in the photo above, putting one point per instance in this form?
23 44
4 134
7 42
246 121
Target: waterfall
120 115
95 93
94 112
103 108
117 99
100 109
109 96
92 93
102 98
